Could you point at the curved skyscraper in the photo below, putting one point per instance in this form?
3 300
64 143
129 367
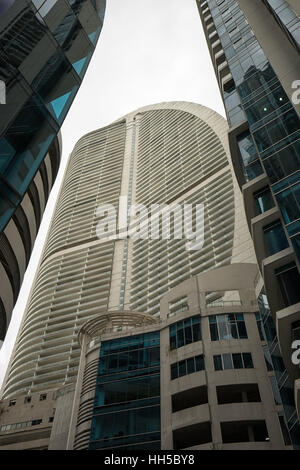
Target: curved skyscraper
169 153
45 49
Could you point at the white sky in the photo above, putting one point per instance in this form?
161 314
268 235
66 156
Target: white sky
149 51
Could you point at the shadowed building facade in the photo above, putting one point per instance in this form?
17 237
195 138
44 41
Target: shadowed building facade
45 49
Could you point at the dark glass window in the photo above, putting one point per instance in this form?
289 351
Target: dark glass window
289 281
260 326
227 361
268 359
185 332
263 201
190 364
233 361
237 361
173 338
247 359
296 330
182 368
277 130
218 362
24 151
230 326
249 156
174 371
289 203
187 366
275 238
127 399
188 331
57 85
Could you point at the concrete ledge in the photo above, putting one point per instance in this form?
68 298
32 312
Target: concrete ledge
189 416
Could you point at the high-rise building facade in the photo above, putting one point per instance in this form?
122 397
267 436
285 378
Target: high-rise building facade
255 48
163 154
192 313
45 49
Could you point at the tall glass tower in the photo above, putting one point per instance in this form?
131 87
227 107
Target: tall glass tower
254 48
45 49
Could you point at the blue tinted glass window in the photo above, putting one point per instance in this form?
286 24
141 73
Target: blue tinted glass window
289 203
275 238
263 201
237 361
288 278
25 150
260 326
127 399
233 361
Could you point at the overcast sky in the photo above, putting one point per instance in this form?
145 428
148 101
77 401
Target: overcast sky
149 51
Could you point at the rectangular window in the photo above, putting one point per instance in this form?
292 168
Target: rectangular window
260 326
36 422
263 200
237 361
233 361
275 238
174 371
227 327
127 399
182 368
187 366
218 362
190 364
227 361
289 279
247 360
